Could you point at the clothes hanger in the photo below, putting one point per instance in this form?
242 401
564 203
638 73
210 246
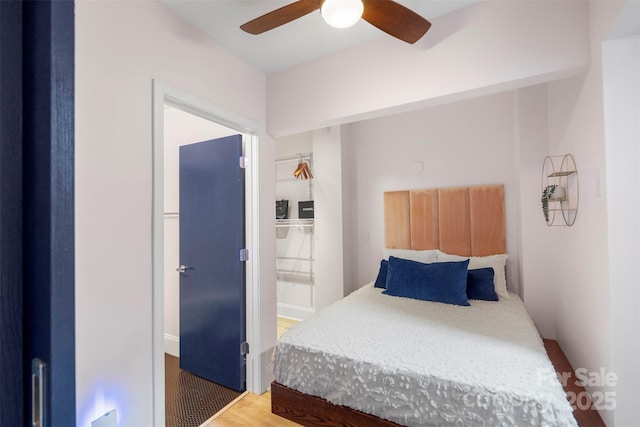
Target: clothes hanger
306 171
302 170
298 170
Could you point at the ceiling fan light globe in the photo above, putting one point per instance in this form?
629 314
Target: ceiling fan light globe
342 13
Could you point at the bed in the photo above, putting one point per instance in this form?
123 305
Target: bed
378 360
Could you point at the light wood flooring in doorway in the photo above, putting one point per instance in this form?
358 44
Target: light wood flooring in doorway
253 409
284 323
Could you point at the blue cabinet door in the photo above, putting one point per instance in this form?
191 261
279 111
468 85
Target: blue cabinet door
212 285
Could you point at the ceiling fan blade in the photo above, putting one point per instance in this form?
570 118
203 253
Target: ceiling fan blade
395 19
281 16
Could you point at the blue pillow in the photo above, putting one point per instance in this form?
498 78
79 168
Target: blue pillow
440 282
480 284
381 280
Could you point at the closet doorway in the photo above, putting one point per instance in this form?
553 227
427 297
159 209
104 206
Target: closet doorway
182 120
295 230
204 277
180 129
309 238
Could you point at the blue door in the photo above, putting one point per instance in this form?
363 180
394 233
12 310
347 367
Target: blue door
37 333
212 279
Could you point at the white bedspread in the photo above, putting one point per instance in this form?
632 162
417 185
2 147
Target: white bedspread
420 363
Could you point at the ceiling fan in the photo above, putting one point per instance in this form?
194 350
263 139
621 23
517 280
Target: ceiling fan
387 15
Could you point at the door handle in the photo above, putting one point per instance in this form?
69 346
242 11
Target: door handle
183 268
38 416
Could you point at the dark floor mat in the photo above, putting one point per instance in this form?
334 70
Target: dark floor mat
189 399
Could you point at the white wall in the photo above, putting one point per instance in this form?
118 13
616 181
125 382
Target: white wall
294 144
350 233
489 47
120 48
531 142
325 145
180 128
463 143
327 192
621 72
580 263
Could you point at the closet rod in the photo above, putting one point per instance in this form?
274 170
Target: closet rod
299 156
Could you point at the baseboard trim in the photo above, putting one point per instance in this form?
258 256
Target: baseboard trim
294 311
267 360
172 345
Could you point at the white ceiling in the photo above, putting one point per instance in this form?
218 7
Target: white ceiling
299 41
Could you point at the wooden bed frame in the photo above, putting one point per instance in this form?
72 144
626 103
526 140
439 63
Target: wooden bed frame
467 221
312 411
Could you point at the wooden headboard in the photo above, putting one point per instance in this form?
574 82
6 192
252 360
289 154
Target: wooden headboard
467 221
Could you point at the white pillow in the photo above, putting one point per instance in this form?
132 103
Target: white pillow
427 256
497 262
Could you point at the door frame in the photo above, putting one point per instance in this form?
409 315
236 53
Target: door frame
164 93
